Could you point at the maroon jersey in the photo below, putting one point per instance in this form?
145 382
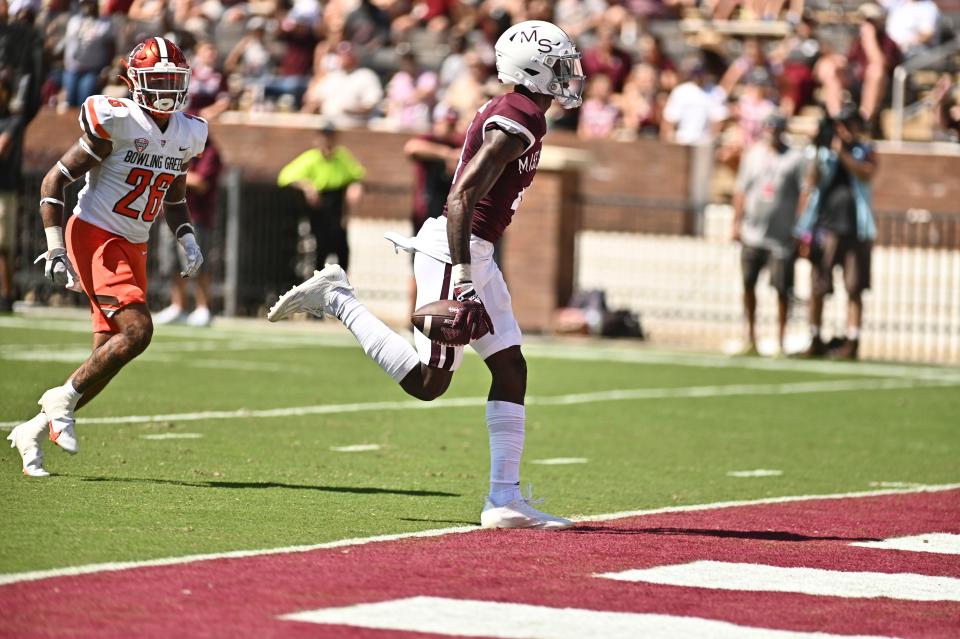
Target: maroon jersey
517 114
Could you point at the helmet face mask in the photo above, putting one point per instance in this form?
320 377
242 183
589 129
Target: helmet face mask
541 57
158 76
569 79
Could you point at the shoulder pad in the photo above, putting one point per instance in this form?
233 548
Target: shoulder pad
99 116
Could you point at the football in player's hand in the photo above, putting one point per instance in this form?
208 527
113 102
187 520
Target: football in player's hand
436 321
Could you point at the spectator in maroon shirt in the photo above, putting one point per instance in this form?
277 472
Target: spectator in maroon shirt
298 33
866 70
606 58
434 156
203 181
796 58
208 86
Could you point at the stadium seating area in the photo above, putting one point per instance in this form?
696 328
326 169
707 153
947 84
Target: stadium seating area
405 57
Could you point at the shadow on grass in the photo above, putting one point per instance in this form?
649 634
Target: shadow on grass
762 535
356 490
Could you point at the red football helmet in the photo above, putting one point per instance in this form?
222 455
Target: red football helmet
158 75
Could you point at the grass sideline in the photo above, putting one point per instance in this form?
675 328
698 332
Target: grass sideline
252 482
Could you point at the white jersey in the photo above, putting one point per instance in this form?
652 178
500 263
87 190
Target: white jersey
124 193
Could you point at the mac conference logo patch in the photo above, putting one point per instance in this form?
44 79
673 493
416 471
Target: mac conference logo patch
141 144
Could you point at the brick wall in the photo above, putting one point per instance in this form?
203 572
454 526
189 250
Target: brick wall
639 186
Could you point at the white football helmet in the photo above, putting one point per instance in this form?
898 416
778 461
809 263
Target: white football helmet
541 57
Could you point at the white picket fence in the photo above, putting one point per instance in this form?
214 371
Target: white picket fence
687 290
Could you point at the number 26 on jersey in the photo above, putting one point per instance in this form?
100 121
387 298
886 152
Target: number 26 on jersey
141 180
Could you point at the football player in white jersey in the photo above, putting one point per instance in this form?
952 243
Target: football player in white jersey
135 153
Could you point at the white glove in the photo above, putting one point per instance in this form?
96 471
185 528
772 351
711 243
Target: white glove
59 270
191 250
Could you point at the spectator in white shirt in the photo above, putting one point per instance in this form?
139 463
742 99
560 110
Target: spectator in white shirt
349 95
693 115
913 25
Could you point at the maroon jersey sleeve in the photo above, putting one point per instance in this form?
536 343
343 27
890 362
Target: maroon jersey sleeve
517 115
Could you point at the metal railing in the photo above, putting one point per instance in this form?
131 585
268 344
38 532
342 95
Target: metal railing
925 60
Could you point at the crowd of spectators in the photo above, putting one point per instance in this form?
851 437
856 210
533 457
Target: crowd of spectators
391 64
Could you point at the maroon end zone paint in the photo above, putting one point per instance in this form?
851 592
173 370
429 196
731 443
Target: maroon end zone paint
244 597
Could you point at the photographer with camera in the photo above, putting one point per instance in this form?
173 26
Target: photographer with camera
837 228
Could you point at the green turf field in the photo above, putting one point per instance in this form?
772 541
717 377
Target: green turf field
657 429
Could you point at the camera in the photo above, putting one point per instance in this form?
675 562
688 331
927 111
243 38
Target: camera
825 132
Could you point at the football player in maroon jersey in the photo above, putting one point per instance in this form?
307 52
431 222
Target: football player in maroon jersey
454 260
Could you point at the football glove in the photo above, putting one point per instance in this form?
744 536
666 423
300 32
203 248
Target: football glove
58 269
192 254
472 317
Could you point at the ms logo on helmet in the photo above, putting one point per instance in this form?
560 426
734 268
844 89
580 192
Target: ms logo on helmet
543 44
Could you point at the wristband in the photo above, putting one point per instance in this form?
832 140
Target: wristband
54 238
65 171
50 200
461 273
184 229
86 147
169 203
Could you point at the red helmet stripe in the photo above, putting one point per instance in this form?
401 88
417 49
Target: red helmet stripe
162 46
95 121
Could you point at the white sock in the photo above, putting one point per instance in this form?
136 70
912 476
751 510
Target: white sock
73 395
814 332
391 352
853 333
37 425
505 421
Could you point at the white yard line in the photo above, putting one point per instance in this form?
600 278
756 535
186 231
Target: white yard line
759 472
71 571
226 339
723 575
590 351
940 543
73 355
502 620
629 394
823 367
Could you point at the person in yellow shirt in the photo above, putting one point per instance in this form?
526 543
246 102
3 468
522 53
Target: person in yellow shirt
330 179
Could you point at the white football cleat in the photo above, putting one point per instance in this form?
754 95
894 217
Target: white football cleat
170 315
312 295
63 435
58 406
200 317
26 439
519 513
